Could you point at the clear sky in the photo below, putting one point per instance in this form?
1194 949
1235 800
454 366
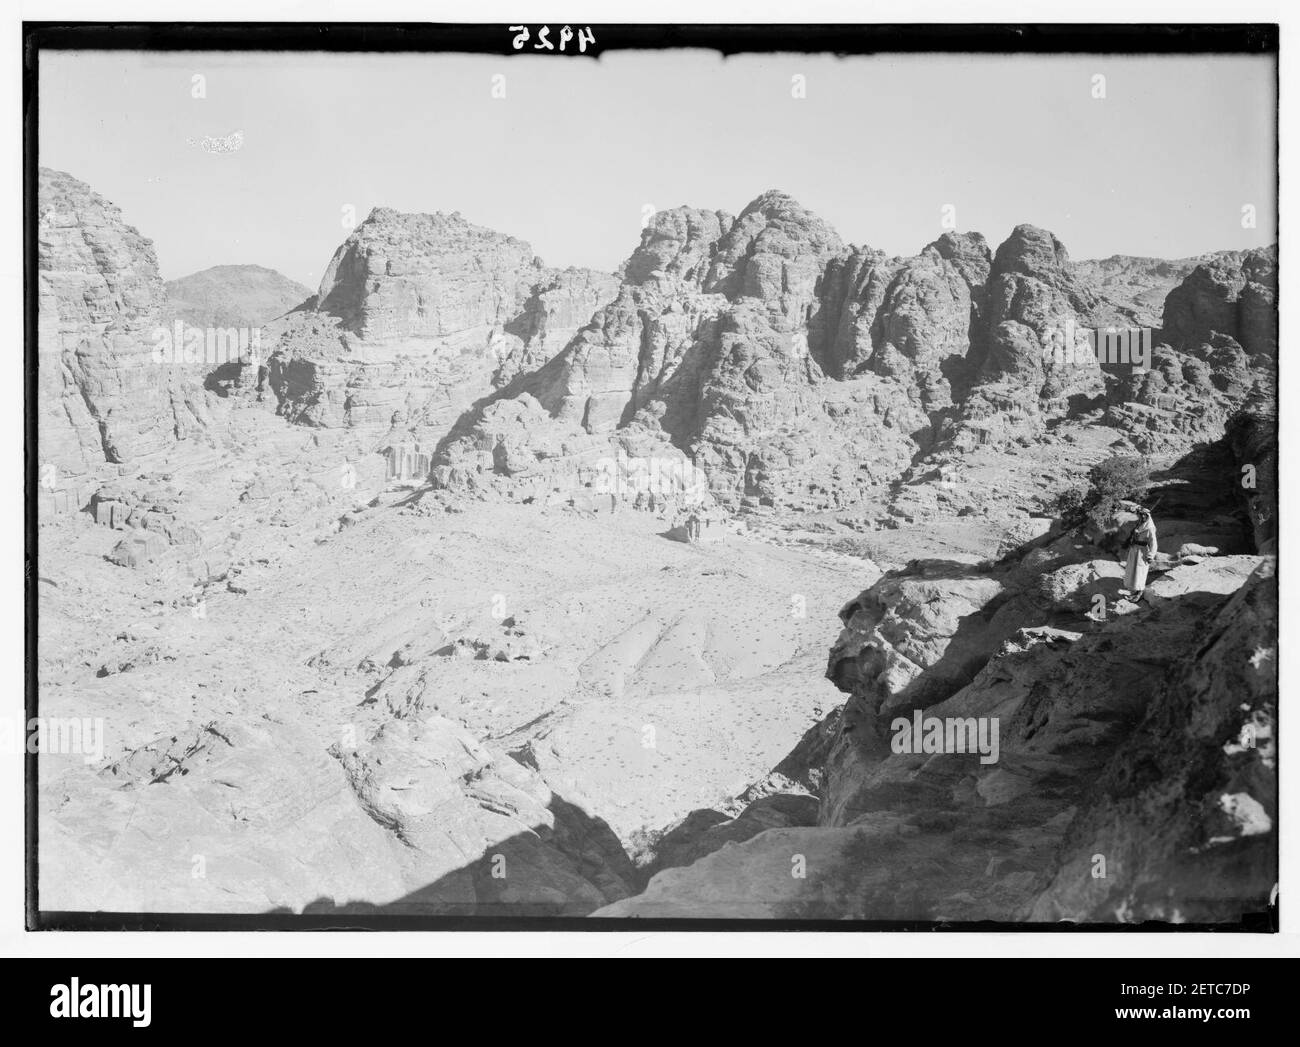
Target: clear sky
578 149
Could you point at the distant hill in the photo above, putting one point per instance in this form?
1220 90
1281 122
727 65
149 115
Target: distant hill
233 296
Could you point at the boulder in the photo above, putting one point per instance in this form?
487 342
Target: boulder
139 549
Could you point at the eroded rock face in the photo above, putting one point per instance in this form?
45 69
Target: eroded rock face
434 276
905 317
1218 350
677 247
1095 749
1033 298
434 786
775 357
724 331
1131 291
149 514
775 251
1104 731
1185 813
1185 396
555 310
417 317
799 372
1235 298
103 396
1252 436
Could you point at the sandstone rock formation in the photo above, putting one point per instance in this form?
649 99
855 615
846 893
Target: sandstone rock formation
1230 297
1186 812
1251 434
1217 350
715 347
1131 291
416 318
103 397
152 507
1185 397
395 647
1110 714
797 371
1084 816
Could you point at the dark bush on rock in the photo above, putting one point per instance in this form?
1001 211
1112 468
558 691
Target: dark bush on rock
1110 483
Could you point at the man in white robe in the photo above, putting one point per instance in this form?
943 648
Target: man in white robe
1141 546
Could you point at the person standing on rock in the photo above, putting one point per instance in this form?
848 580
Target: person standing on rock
1141 545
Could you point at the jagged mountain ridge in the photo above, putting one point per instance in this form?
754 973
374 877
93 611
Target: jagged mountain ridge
761 346
775 356
777 352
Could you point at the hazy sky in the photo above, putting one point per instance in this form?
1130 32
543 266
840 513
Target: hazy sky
578 149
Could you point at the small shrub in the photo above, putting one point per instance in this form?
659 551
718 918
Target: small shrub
1111 482
1068 507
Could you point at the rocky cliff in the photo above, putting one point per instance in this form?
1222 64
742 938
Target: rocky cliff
1231 296
417 317
1120 796
797 371
1131 291
1217 350
336 711
1132 774
104 398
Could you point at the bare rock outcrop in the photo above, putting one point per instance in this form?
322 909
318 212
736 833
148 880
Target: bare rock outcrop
1185 397
251 814
554 311
1131 290
1104 730
1105 713
1185 813
1251 433
905 316
1227 296
434 276
1033 299
438 790
104 397
418 316
797 371
1217 350
499 764
716 346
